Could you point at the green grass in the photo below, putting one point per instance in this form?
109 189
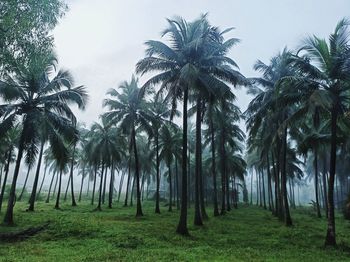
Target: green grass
245 234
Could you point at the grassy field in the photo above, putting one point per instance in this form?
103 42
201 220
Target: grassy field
245 234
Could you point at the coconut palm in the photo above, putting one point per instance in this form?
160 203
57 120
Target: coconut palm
129 111
33 93
325 65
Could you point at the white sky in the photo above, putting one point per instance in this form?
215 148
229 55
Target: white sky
100 41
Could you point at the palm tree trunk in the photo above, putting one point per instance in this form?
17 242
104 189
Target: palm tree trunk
213 169
36 179
325 186
25 183
263 188
227 184
269 185
121 185
51 183
74 203
330 237
82 183
7 168
104 186
288 219
182 226
170 191
316 184
100 191
67 187
223 173
197 211
177 185
8 219
157 210
132 192
42 183
189 189
94 186
57 205
137 174
128 182
111 186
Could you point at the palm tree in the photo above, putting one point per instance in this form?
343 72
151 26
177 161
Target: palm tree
34 93
195 59
325 65
129 111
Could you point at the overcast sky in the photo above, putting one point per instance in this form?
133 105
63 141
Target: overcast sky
100 41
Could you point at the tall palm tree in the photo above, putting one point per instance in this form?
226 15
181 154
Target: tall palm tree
192 61
325 65
34 92
130 111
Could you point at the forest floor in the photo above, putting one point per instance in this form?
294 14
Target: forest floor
244 234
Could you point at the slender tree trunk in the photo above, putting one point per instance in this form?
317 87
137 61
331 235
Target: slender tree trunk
316 184
42 183
100 191
227 184
82 183
197 211
104 186
7 169
213 169
324 178
25 184
121 185
36 179
88 187
132 192
137 174
170 191
257 186
128 182
74 203
330 237
51 183
182 226
57 205
269 178
177 186
8 219
251 188
263 188
189 188
288 219
157 210
67 188
111 186
223 173
94 186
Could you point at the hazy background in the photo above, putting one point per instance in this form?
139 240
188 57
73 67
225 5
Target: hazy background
100 41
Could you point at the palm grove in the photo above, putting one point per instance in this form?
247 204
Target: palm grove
299 111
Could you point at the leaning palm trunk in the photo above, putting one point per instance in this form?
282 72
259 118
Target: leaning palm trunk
51 183
104 186
25 184
330 237
82 183
121 185
42 183
137 174
182 226
57 206
36 179
7 168
8 220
